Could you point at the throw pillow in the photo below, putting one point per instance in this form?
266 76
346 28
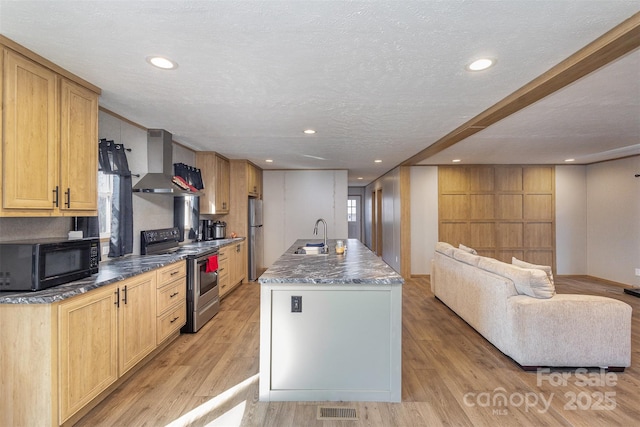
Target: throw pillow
528 281
524 264
467 249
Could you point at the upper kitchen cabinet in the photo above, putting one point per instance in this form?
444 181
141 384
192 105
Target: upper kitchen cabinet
254 180
215 171
49 141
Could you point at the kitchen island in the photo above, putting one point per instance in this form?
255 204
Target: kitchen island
330 327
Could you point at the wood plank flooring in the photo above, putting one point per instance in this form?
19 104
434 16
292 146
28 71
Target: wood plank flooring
451 376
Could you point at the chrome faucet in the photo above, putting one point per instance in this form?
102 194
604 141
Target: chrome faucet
325 248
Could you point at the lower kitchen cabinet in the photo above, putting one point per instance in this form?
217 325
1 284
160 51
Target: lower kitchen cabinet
88 348
58 358
171 300
136 320
231 267
102 334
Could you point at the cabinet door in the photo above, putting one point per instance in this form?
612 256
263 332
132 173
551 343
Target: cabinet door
137 319
30 145
223 171
239 258
78 147
88 339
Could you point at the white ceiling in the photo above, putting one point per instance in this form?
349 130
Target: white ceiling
376 79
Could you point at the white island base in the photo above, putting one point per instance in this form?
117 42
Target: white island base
345 344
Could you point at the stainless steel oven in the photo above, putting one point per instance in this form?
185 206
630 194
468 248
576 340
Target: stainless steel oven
203 300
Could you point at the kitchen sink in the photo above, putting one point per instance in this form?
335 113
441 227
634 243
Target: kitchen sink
313 250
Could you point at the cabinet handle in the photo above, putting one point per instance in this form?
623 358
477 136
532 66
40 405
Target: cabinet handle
124 292
174 294
174 319
55 197
117 293
175 272
67 194
220 270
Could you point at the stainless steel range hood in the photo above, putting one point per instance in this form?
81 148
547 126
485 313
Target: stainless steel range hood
158 179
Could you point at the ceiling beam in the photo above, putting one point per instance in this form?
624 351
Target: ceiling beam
612 45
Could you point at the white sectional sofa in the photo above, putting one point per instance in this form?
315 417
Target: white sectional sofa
518 311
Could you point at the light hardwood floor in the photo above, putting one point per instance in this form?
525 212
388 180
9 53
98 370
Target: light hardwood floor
451 376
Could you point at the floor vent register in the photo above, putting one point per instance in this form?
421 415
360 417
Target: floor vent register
337 413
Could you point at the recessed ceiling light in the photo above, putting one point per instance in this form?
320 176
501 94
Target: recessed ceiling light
456 160
378 161
269 161
481 64
162 62
360 177
570 160
309 131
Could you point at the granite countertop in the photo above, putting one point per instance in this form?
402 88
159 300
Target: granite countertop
358 265
111 271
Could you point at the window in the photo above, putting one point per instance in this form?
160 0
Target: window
351 210
105 193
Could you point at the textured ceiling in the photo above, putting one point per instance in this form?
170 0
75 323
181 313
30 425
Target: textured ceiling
376 79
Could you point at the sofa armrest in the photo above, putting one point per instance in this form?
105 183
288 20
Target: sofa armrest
569 330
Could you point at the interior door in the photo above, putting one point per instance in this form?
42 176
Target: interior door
354 217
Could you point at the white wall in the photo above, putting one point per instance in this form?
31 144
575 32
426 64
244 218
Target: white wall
613 226
294 200
571 219
424 217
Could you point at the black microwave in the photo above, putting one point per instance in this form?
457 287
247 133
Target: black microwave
34 265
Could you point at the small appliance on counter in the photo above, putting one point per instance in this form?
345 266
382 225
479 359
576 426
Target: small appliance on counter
213 230
37 264
219 230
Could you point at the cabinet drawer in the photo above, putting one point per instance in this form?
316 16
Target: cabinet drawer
171 272
170 295
171 322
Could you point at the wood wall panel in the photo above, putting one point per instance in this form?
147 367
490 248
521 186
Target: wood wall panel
538 235
481 206
501 211
508 178
538 206
455 206
509 206
482 234
538 179
454 232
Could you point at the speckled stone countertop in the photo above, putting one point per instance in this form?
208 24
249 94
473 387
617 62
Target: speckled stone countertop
111 271
358 265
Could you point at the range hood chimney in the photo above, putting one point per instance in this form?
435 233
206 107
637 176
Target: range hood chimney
158 179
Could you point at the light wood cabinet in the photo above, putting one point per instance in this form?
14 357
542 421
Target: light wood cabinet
78 147
254 181
88 348
231 266
224 276
49 141
171 301
238 262
60 359
102 334
215 171
136 320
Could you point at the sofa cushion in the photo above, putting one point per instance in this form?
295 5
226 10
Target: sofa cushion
524 264
467 249
445 248
528 281
466 257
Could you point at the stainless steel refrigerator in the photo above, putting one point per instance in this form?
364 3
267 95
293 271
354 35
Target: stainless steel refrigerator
254 240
